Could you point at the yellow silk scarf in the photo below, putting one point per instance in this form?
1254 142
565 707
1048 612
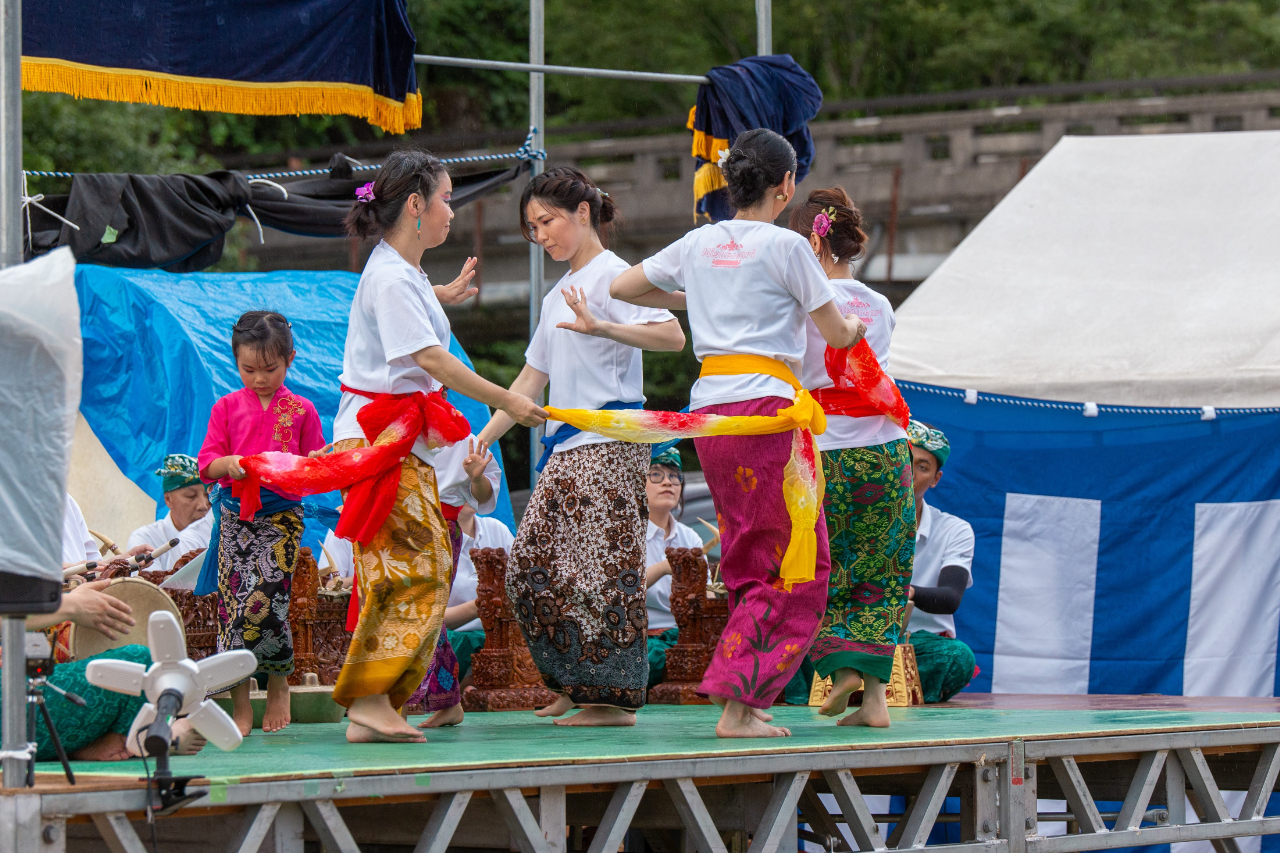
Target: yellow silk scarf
802 483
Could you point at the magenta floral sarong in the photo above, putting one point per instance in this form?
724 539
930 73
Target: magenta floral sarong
769 630
440 688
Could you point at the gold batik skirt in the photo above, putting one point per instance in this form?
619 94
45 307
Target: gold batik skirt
403 577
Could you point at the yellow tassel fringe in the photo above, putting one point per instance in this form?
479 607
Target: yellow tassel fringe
225 96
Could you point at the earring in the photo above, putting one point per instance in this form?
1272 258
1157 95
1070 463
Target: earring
582 221
419 226
781 196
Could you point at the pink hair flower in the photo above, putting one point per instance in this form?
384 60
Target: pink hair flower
821 224
365 193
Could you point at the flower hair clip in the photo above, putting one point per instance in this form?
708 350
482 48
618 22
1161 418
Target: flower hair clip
724 157
365 193
822 222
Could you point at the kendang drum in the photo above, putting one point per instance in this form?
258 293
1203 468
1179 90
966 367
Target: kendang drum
143 597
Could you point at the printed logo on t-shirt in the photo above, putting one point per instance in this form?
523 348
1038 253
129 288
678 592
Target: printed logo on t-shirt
730 254
865 312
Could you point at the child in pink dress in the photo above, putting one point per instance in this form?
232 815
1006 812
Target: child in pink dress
253 561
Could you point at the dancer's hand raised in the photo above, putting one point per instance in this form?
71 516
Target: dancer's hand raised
477 459
584 323
460 289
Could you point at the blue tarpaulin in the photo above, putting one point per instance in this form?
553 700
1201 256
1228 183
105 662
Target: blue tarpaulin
157 355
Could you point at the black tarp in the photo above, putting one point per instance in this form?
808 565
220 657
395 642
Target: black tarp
179 222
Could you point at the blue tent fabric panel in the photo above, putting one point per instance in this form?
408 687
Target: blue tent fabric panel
1148 469
157 355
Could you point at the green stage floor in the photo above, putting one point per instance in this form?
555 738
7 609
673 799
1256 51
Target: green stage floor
662 731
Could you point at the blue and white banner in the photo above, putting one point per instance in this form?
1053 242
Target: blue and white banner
1136 551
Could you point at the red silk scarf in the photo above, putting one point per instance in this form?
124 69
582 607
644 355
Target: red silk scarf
391 423
862 388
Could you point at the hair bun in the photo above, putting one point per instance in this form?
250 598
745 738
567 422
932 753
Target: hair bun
759 159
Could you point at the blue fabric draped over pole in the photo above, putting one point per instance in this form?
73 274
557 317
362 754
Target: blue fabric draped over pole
157 355
237 56
773 92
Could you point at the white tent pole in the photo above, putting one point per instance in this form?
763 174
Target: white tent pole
764 27
13 672
537 104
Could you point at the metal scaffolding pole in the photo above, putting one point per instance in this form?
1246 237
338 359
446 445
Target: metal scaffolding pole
569 70
537 105
764 27
13 672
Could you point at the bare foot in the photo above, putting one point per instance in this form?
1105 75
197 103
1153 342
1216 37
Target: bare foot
375 712
739 721
600 715
242 708
758 713
562 705
875 707
451 716
109 747
844 683
357 733
277 714
188 741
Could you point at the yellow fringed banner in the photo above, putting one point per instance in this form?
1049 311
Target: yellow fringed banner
802 485
225 96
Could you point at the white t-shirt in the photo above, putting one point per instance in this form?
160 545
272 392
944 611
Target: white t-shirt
656 542
490 533
455 485
78 543
853 297
942 539
587 372
194 535
395 313
750 287
343 557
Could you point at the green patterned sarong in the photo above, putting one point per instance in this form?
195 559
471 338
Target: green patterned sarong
946 665
871 525
107 711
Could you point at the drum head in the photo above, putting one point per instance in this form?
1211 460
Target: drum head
144 597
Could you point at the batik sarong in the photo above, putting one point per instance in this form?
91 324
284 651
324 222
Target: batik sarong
769 629
946 665
403 577
440 688
871 526
256 560
576 575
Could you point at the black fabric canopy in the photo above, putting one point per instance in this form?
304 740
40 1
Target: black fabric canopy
179 222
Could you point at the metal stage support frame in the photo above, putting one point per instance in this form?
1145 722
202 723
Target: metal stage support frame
756 801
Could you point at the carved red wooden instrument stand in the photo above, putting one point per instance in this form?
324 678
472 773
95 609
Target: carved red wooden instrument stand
504 674
701 621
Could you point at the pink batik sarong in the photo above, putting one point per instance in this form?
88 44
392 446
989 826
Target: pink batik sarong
770 630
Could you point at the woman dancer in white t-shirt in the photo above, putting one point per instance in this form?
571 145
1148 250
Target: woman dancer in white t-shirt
750 286
576 573
397 346
869 503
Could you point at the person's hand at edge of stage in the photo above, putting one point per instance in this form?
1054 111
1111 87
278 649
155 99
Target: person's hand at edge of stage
477 459
89 607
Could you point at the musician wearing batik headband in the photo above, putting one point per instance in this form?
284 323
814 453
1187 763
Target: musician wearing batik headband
188 519
576 575
397 359
869 505
942 572
749 287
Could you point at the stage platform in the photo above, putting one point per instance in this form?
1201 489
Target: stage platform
508 781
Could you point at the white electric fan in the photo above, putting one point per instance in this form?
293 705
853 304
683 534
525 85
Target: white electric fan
176 686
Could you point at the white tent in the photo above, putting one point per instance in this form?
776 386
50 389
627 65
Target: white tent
1141 270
